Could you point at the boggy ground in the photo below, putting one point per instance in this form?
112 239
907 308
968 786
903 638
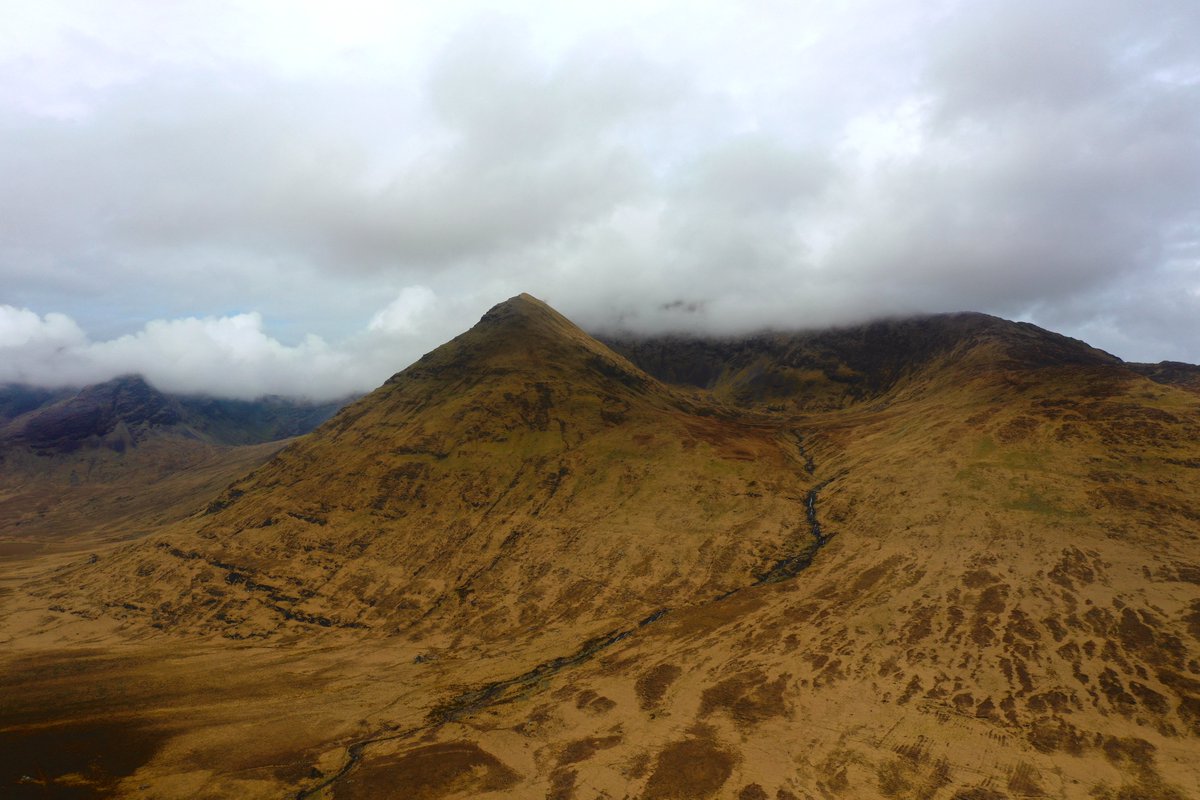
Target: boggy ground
1005 603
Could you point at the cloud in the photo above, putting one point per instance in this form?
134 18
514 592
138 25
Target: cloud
229 356
506 152
1041 178
405 314
21 328
379 175
1039 162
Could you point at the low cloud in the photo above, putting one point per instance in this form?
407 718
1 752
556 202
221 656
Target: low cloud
22 329
328 195
230 356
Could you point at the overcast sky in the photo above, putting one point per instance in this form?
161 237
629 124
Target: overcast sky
302 197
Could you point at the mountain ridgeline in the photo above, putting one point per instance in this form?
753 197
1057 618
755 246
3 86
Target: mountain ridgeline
120 413
944 557
836 368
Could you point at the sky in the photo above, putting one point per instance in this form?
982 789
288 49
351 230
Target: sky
301 197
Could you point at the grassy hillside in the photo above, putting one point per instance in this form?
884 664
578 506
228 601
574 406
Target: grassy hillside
499 483
952 558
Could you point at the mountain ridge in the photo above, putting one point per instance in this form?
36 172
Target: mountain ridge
118 413
839 366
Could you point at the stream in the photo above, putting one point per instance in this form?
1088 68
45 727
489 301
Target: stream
510 689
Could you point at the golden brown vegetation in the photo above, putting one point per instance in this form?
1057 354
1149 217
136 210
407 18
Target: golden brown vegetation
525 567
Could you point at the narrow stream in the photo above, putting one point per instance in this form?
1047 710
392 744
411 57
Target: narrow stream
793 565
509 689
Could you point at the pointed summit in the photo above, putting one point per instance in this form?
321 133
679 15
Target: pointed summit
526 316
523 305
528 313
524 335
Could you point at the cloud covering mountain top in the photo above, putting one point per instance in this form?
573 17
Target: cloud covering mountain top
301 199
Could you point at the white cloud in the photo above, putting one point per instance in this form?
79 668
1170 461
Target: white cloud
231 356
21 328
379 172
406 313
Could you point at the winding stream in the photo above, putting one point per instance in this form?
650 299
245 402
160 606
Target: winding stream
510 689
793 565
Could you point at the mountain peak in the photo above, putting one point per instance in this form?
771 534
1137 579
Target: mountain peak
524 299
123 411
525 309
523 335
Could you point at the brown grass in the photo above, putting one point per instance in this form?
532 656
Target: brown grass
689 770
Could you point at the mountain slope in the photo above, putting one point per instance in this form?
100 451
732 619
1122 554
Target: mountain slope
836 368
952 557
501 480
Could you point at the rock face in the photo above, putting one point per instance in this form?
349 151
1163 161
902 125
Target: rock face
950 557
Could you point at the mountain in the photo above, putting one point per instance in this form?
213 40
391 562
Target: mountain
944 557
521 460
121 456
829 369
122 412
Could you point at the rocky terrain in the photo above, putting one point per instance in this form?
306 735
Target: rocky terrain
948 557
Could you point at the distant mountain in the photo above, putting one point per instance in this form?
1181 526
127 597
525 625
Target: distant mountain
122 412
117 459
948 557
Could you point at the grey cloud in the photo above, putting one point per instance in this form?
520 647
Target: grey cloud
503 100
753 174
1054 165
1013 157
180 161
1000 57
